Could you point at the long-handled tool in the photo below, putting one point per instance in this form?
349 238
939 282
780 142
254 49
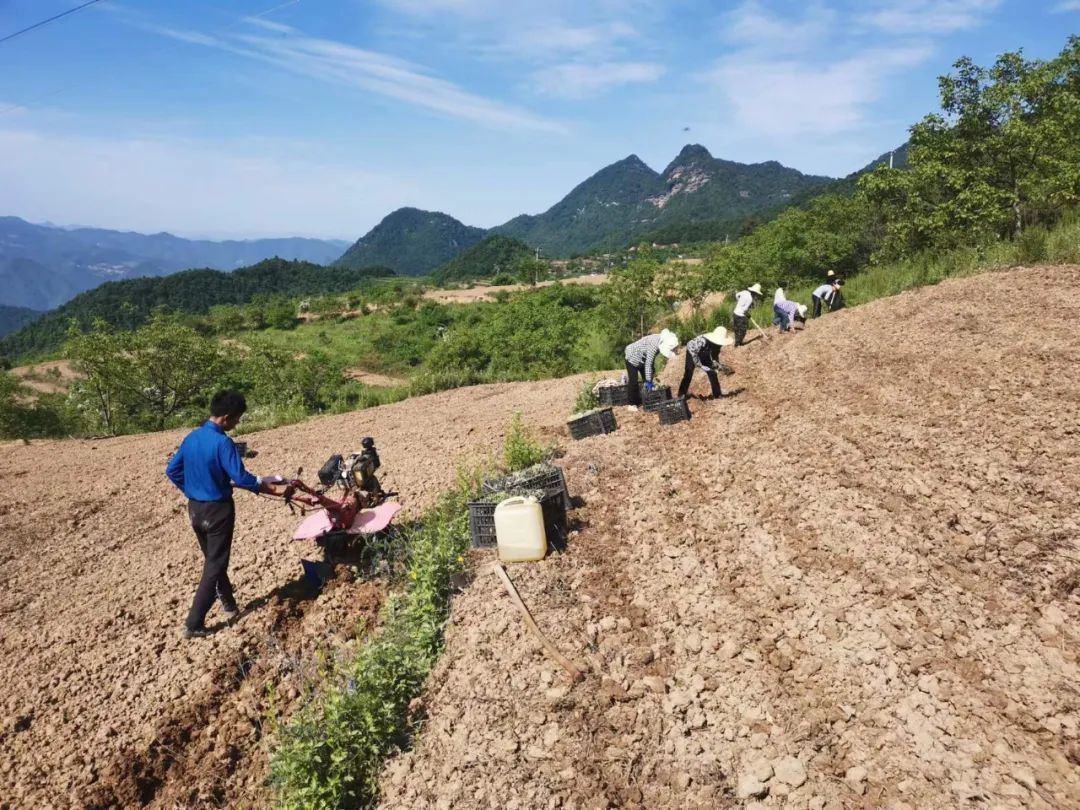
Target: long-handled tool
572 669
764 334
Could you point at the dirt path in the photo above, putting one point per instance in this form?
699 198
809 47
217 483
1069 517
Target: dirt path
854 584
104 704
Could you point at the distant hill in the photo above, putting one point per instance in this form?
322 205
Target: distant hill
412 242
42 266
12 319
496 254
627 200
129 303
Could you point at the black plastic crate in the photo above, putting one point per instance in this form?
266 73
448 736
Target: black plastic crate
672 411
610 395
543 476
482 521
594 423
652 400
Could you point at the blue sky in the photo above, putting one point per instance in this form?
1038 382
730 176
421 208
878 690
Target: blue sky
318 117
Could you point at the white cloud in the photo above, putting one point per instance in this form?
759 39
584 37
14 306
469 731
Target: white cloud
584 80
257 186
789 98
550 38
928 16
336 62
752 26
1067 6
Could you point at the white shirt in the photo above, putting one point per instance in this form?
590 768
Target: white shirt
743 301
824 292
778 296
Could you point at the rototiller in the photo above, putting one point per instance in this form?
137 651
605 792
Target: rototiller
348 501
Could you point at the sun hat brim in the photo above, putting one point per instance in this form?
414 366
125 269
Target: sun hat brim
720 337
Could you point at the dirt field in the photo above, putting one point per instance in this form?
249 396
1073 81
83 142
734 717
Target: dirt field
50 377
854 583
104 705
474 294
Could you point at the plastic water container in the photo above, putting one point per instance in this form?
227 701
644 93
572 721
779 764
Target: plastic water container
519 529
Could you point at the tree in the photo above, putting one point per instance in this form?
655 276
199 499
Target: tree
147 375
1003 153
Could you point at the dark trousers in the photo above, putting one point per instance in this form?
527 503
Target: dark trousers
741 323
213 523
688 375
633 390
817 306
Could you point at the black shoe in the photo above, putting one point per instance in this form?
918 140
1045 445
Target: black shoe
230 612
197 632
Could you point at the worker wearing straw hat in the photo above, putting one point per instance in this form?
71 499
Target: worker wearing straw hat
703 352
744 299
641 360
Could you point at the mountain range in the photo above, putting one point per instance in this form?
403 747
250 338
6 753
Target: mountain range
620 204
42 266
696 197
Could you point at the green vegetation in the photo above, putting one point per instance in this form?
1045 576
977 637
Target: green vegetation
495 255
12 319
266 287
412 242
330 753
520 448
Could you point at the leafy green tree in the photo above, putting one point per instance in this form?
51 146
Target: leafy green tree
1004 153
150 374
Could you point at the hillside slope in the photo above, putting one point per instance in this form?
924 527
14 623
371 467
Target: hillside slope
865 559
855 584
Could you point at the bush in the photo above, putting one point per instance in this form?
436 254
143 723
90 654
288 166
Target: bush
521 449
586 399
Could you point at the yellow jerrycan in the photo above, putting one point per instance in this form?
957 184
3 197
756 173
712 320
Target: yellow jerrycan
519 529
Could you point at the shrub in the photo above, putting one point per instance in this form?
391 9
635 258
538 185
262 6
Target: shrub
586 399
520 448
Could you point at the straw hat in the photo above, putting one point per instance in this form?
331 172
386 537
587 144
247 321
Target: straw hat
668 341
802 310
755 289
720 337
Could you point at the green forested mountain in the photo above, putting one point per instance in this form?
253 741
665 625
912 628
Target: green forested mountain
128 304
496 254
12 319
628 200
412 242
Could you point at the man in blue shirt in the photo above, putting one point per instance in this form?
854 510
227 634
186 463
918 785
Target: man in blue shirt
204 468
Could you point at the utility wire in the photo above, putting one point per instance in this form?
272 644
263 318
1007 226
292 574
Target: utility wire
51 19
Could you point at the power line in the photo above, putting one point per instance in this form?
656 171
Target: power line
46 22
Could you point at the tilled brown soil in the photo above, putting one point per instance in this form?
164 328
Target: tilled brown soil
854 584
104 705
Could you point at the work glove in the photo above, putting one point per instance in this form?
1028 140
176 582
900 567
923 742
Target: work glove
648 386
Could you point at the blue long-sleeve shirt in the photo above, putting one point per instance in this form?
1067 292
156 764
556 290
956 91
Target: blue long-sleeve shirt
206 462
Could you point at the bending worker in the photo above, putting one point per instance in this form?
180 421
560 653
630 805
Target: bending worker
202 468
788 313
744 299
826 294
704 352
641 360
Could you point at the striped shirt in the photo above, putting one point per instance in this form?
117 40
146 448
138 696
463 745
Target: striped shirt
642 353
701 350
